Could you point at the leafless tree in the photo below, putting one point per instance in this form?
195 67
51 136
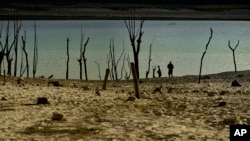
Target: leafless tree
233 50
211 35
7 49
2 48
35 57
127 75
114 62
149 59
17 26
85 59
22 70
67 67
99 71
135 34
82 56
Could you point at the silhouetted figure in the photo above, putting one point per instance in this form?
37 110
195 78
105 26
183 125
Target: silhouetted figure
159 71
170 69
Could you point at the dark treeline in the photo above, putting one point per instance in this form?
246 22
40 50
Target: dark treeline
66 2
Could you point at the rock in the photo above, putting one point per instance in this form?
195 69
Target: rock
170 90
57 116
42 100
223 103
235 83
238 92
87 87
97 91
4 98
131 98
206 77
209 84
231 120
55 83
195 91
159 90
19 80
224 92
213 93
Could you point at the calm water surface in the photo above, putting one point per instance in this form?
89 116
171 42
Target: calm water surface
181 42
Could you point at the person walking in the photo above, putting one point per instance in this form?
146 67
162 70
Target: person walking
170 69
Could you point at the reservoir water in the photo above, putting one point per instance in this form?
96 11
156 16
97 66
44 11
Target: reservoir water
181 42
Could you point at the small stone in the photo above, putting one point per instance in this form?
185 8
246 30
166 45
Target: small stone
221 104
159 90
57 116
224 92
87 87
212 93
54 83
231 120
19 80
131 98
97 91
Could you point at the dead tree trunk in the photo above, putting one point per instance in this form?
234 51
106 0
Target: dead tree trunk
85 59
35 57
26 58
149 59
114 62
99 71
67 67
135 35
2 49
154 68
80 58
17 27
127 75
233 50
135 81
211 35
7 48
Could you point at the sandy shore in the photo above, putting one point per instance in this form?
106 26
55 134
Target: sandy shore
108 14
182 110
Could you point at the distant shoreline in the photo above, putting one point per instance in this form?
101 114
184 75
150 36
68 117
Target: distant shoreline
108 14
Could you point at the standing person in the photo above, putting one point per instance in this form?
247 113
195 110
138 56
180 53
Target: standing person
170 69
159 71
